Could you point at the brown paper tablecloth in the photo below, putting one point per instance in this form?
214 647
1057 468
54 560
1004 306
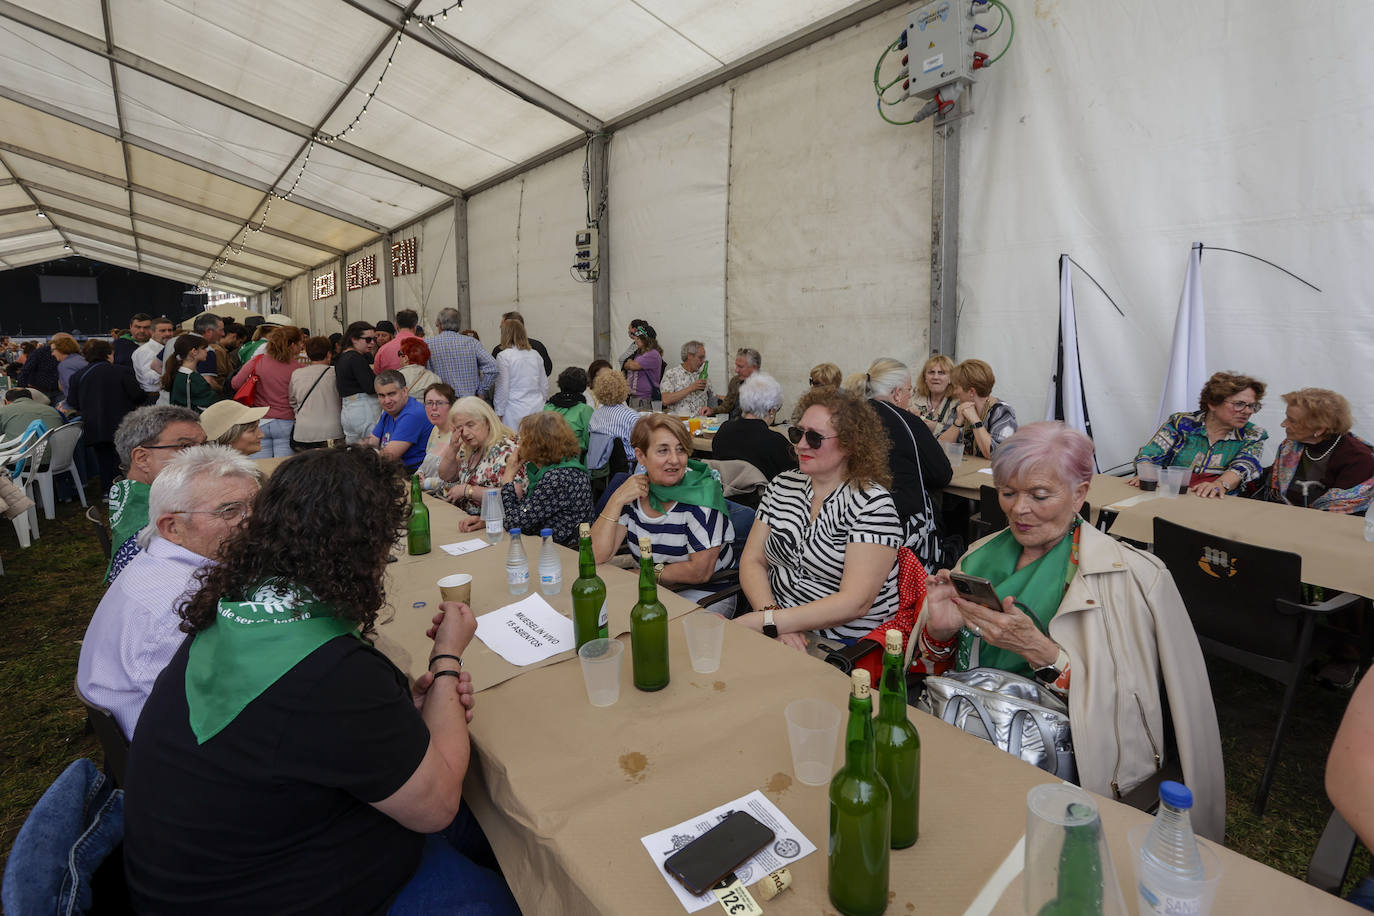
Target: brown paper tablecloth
411 580
566 824
1103 490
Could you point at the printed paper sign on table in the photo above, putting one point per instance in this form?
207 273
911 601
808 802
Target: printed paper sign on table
789 845
463 547
526 632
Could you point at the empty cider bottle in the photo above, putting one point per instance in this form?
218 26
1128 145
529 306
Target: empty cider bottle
860 814
417 523
588 593
649 627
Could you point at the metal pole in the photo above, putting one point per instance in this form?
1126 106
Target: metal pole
599 175
341 286
388 281
460 255
944 239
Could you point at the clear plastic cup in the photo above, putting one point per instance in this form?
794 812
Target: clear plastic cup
1067 858
813 730
705 636
954 451
1158 892
1147 474
600 660
1172 481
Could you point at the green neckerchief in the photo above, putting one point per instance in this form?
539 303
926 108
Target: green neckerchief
249 648
247 351
1038 588
534 474
698 487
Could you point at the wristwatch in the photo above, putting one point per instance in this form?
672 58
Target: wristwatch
770 629
978 425
1050 673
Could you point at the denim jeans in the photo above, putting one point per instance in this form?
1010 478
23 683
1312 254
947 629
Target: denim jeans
448 879
276 438
359 416
75 825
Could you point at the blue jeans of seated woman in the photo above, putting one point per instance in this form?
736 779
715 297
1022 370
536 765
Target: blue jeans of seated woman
448 879
276 438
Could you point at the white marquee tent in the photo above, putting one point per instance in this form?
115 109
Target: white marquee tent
752 195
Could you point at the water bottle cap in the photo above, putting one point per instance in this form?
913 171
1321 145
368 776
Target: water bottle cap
514 532
1176 794
546 532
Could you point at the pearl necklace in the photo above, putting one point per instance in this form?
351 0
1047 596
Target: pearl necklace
1322 456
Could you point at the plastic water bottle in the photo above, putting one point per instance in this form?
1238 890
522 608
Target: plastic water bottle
550 566
517 565
1369 526
1169 869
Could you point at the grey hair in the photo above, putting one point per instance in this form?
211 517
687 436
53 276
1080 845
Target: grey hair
752 355
759 394
391 377
206 322
690 347
449 320
885 376
145 424
193 471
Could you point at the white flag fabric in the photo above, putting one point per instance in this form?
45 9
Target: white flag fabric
1188 358
1066 400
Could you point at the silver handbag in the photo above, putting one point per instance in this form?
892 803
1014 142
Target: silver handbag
1017 714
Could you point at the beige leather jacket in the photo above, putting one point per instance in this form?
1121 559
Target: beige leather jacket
1126 630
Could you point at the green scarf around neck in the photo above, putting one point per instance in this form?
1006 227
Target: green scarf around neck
698 487
249 648
534 474
1038 588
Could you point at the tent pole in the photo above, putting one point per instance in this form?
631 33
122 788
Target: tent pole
460 257
944 238
388 281
341 286
599 174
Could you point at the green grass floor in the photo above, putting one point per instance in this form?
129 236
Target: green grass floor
49 591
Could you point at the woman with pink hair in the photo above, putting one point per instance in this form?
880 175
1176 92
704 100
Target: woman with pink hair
1087 616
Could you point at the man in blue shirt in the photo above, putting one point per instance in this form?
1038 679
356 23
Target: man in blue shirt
403 431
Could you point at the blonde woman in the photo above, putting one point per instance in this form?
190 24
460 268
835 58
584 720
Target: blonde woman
823 375
934 402
982 422
521 385
480 455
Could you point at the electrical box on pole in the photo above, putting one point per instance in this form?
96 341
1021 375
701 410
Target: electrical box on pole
939 46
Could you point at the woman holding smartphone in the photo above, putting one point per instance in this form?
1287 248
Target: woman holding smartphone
1085 615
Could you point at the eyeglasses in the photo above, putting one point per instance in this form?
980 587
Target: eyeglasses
436 403
813 438
816 383
229 512
1247 406
180 445
370 339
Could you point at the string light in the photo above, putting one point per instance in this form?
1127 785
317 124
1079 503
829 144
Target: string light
327 138
428 20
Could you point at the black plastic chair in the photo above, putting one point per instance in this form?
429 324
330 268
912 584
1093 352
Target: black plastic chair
110 735
1246 606
98 523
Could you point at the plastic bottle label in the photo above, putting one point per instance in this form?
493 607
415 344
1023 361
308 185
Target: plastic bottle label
1166 904
549 578
517 575
603 618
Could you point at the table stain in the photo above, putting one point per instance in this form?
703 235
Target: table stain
891 896
633 764
911 907
778 783
719 686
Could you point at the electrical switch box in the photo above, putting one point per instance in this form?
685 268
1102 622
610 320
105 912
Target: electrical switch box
585 255
939 46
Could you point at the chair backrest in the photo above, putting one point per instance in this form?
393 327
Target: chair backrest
62 445
1230 590
28 461
742 519
101 532
110 735
599 450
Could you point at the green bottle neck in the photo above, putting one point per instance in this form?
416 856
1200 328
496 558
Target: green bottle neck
858 737
892 690
648 585
415 494
586 559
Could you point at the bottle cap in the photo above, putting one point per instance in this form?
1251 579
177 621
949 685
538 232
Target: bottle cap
514 532
1176 794
646 547
546 532
862 683
584 530
772 884
894 642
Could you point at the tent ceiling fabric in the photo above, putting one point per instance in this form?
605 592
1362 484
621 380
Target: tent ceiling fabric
157 145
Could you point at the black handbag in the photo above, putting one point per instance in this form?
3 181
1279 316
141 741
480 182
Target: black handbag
306 446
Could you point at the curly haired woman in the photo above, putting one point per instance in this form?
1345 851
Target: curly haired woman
283 763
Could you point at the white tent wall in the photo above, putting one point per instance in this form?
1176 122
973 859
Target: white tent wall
326 312
369 302
434 285
520 247
829 215
1121 133
668 188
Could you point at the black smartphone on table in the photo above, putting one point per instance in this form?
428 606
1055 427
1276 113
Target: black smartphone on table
976 589
710 857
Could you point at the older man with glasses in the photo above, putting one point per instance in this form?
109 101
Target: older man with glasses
201 497
146 440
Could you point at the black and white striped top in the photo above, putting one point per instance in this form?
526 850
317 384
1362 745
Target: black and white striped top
806 559
680 532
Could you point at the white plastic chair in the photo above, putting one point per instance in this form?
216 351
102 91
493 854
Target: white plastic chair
61 449
26 525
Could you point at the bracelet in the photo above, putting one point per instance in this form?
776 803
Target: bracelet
467 491
608 518
435 658
938 643
447 672
768 607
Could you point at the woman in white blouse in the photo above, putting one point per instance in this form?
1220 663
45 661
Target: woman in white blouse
521 385
821 556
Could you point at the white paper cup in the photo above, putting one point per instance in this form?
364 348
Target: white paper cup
954 451
813 729
600 660
705 636
457 587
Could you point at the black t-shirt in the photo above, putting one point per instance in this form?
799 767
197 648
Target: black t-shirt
352 374
751 440
272 814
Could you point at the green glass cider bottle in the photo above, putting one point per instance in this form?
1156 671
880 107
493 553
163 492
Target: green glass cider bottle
417 524
1080 869
860 815
588 593
649 627
899 747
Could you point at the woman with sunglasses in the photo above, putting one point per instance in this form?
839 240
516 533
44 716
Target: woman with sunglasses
354 380
1217 441
821 558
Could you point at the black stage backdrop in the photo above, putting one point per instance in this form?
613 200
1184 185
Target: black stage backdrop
122 293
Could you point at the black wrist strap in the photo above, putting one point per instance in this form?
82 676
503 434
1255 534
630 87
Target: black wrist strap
435 658
447 672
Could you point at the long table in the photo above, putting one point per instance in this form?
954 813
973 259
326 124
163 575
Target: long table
973 473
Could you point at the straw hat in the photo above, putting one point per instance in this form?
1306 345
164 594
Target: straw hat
222 416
